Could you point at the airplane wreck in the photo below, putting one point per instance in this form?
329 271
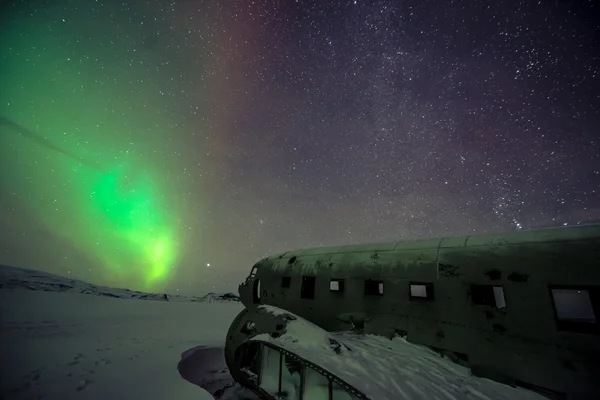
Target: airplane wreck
341 322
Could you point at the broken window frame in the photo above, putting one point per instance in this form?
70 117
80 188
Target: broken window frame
488 300
304 292
573 325
429 292
242 358
304 367
374 287
260 375
284 360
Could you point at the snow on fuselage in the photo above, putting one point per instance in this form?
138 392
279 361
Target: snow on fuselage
358 366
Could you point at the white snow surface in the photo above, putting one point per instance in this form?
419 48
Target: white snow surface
385 369
74 346
68 345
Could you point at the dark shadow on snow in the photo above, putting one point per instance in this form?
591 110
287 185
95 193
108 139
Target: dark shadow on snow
205 367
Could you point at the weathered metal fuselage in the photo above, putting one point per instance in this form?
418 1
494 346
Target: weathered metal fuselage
522 308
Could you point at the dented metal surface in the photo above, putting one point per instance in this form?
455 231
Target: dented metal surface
516 336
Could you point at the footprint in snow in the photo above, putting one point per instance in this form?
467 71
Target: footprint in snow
83 384
77 359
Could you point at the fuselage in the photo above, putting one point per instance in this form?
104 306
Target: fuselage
520 308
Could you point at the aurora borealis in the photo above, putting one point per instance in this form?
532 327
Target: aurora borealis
84 166
113 212
167 146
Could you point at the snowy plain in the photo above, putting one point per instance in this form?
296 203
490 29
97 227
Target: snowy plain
76 344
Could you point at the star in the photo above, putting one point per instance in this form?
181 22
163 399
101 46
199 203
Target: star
127 156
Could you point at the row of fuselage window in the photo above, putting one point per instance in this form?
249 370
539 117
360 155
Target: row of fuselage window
576 308
492 295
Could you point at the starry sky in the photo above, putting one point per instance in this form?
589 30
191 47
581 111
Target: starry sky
168 145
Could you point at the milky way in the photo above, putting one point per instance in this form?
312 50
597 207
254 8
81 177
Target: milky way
169 145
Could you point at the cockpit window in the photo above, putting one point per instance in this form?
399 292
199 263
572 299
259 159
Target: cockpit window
286 377
270 370
316 385
248 357
291 378
253 272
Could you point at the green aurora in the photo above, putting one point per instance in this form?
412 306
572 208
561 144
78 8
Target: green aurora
113 214
102 102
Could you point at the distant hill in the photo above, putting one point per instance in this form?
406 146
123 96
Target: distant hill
21 278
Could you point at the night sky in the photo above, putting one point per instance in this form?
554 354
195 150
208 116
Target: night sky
167 146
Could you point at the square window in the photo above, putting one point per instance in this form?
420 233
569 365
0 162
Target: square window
418 291
373 288
336 285
286 281
421 291
573 305
576 308
488 295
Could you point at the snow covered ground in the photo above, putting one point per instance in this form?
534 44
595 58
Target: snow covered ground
20 278
68 345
